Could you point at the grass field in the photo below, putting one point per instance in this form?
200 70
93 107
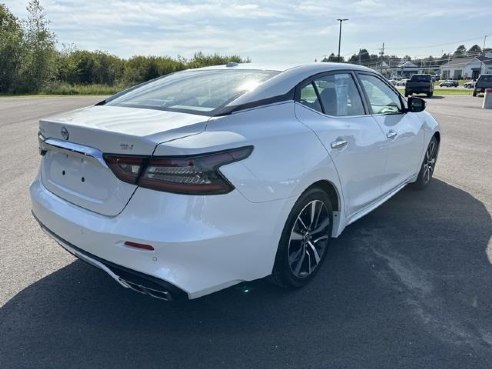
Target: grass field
452 91
446 91
67 89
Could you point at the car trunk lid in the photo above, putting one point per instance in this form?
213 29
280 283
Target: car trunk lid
73 147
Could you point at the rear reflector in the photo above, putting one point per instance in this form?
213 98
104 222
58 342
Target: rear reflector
137 245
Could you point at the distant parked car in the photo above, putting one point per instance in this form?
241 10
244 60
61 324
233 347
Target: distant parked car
449 83
469 84
483 82
420 84
401 82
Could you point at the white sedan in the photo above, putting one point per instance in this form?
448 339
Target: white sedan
199 180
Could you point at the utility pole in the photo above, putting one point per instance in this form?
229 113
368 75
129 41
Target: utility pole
359 56
483 54
381 54
340 35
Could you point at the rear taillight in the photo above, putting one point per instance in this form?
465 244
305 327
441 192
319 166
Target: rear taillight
198 174
126 168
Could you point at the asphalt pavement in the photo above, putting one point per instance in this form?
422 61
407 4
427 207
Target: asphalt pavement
407 286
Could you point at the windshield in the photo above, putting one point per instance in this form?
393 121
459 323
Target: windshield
193 91
486 78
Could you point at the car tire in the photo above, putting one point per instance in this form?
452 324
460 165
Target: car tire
428 165
407 94
304 240
430 94
474 93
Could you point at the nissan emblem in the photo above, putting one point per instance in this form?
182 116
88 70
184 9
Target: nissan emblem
64 133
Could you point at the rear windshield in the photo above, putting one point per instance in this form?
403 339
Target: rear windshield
420 78
485 78
197 91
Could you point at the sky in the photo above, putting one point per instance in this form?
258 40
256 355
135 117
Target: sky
266 31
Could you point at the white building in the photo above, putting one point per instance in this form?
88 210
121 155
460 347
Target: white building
407 69
466 68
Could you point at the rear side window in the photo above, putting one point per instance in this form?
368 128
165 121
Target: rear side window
382 98
309 97
334 94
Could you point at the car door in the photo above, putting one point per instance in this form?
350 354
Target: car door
403 130
331 105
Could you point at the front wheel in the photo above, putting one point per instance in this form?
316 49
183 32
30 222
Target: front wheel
428 165
304 241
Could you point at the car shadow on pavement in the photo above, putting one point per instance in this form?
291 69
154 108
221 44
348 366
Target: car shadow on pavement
407 286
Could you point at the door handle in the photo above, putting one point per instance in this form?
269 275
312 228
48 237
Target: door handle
391 134
338 144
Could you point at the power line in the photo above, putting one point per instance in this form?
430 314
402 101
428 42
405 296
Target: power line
443 44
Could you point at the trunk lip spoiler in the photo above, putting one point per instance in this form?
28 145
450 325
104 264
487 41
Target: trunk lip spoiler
53 144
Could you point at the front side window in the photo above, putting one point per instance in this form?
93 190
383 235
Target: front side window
198 92
382 98
334 94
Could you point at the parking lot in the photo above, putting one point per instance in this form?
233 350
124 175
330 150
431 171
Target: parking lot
408 286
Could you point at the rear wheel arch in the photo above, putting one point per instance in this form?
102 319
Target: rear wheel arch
331 191
437 135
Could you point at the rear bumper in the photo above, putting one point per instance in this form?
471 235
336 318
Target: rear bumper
202 243
418 90
127 278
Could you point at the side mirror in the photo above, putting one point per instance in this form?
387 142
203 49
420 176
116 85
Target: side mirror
416 104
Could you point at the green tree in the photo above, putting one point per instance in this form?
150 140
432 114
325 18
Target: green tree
38 66
364 57
443 59
10 49
142 68
475 50
354 59
200 60
460 52
89 67
332 58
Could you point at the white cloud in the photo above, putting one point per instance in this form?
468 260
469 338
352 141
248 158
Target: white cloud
295 31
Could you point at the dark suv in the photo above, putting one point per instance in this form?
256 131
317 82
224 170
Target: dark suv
420 84
483 82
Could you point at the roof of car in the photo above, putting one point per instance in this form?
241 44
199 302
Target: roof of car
282 83
303 68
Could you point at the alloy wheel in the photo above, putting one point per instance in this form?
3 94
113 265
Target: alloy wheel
308 239
429 161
